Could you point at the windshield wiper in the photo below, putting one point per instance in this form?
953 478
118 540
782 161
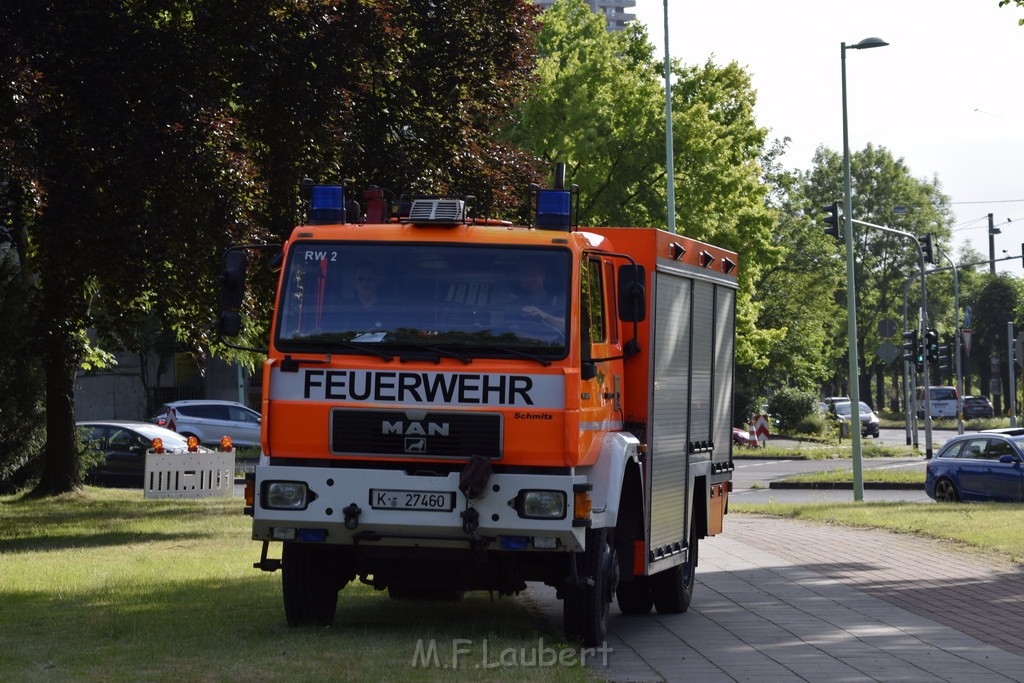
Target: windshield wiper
520 354
436 352
327 345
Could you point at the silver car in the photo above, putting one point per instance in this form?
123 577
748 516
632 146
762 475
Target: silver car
868 420
209 420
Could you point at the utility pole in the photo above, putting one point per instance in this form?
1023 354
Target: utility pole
992 232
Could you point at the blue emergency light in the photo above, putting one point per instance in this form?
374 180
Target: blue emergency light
327 204
554 210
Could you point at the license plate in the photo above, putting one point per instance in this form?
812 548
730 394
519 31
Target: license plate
392 499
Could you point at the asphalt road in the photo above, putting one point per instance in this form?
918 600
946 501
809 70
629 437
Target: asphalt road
753 475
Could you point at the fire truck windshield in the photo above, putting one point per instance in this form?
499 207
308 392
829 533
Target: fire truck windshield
455 300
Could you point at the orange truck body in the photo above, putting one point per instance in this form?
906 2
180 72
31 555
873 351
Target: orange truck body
418 458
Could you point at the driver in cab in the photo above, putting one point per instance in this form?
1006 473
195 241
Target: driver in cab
533 296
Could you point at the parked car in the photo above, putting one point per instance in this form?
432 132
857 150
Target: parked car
842 411
124 446
977 407
741 437
210 420
986 466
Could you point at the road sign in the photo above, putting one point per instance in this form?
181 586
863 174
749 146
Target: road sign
995 386
887 328
1018 349
887 352
965 335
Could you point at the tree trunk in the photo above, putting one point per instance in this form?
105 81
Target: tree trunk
60 460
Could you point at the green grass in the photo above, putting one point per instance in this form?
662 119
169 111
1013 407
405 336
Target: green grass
109 586
984 527
888 475
813 450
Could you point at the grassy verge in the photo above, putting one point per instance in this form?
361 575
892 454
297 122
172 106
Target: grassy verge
108 586
888 475
812 450
990 527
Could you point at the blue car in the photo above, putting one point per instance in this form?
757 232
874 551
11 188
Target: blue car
987 466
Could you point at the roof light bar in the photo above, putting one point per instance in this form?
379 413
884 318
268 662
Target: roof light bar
327 204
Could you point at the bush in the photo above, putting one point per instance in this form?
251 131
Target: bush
792 406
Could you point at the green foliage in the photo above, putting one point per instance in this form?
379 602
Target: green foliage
22 421
792 406
598 104
814 424
140 139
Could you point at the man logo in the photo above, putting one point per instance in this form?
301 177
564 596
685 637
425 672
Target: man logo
415 428
415 445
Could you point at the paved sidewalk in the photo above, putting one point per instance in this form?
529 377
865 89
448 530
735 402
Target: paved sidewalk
782 600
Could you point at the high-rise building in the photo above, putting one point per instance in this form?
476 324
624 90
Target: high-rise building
614 11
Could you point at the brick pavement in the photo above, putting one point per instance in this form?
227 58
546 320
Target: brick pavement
783 600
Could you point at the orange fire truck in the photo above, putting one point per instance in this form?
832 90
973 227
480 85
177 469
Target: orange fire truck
455 404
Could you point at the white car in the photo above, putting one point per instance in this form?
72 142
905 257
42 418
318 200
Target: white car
210 420
868 420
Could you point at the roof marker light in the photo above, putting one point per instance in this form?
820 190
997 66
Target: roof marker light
706 259
554 210
327 204
728 265
676 251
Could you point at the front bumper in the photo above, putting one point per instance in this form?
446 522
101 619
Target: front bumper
343 513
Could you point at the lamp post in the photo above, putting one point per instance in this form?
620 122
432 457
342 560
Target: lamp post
670 181
851 293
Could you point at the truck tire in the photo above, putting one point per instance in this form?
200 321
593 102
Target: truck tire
585 607
309 585
634 597
672 589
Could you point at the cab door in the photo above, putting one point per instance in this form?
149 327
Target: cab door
601 364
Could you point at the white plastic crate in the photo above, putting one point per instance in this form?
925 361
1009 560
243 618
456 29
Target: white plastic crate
189 475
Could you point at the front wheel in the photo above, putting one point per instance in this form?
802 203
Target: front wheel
309 584
585 607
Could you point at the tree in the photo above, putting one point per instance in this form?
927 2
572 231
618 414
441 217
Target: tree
997 302
598 106
796 296
141 139
883 262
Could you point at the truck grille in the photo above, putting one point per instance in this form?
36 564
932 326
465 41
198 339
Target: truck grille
424 434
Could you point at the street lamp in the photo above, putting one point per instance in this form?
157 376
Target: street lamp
851 293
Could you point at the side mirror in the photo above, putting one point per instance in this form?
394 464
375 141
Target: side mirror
229 324
1008 459
632 294
232 280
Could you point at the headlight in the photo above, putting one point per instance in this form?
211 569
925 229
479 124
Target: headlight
286 495
541 504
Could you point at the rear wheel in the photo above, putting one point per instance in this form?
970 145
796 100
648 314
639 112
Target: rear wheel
672 589
634 597
585 607
310 584
945 491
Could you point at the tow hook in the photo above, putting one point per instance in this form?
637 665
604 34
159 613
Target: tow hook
352 513
470 521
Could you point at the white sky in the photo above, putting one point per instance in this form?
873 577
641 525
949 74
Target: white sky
946 94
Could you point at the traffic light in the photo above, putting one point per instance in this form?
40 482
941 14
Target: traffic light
926 247
931 346
943 357
910 346
832 220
